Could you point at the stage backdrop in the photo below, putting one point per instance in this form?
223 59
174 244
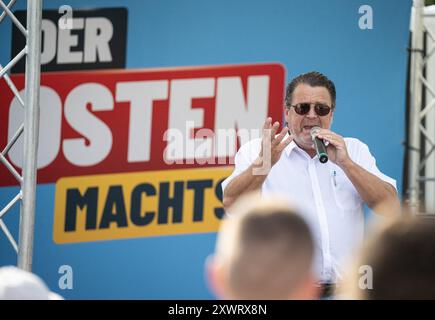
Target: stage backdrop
133 94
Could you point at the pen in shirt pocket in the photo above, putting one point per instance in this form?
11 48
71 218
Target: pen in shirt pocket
334 175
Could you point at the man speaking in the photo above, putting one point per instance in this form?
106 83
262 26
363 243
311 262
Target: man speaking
329 193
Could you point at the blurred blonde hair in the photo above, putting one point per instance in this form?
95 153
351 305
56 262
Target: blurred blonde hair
265 247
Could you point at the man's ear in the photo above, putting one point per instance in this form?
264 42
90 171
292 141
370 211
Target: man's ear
215 277
332 117
286 110
286 116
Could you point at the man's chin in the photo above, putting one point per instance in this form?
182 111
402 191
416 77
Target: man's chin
305 143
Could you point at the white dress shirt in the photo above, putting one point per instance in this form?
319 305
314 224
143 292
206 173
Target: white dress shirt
324 196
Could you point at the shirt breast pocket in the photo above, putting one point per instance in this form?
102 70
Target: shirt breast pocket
345 194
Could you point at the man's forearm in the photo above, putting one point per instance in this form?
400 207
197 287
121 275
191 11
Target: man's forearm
245 182
379 195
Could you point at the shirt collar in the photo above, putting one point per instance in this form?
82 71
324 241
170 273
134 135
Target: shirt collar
293 146
290 147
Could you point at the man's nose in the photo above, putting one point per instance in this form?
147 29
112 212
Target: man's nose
312 114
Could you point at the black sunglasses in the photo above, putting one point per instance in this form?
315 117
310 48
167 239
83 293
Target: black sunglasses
320 108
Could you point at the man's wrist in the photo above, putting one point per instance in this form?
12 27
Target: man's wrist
347 165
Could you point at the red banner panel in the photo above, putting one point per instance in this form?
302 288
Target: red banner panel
141 120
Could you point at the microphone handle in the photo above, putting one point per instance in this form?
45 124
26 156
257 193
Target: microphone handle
321 150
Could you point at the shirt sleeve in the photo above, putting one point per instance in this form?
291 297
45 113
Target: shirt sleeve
368 162
243 159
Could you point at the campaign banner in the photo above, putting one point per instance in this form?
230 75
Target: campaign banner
141 204
138 153
76 39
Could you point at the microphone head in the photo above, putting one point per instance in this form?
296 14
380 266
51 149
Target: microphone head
314 131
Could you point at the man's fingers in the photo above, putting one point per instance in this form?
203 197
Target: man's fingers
274 129
267 123
334 141
286 142
328 134
324 131
281 136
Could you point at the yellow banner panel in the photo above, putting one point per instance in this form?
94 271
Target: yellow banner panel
141 204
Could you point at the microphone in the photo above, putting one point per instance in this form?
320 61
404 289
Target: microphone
319 145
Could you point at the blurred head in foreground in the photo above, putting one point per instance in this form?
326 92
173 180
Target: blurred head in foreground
17 284
264 250
397 263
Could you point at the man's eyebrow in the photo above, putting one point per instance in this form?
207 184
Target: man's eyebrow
313 101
